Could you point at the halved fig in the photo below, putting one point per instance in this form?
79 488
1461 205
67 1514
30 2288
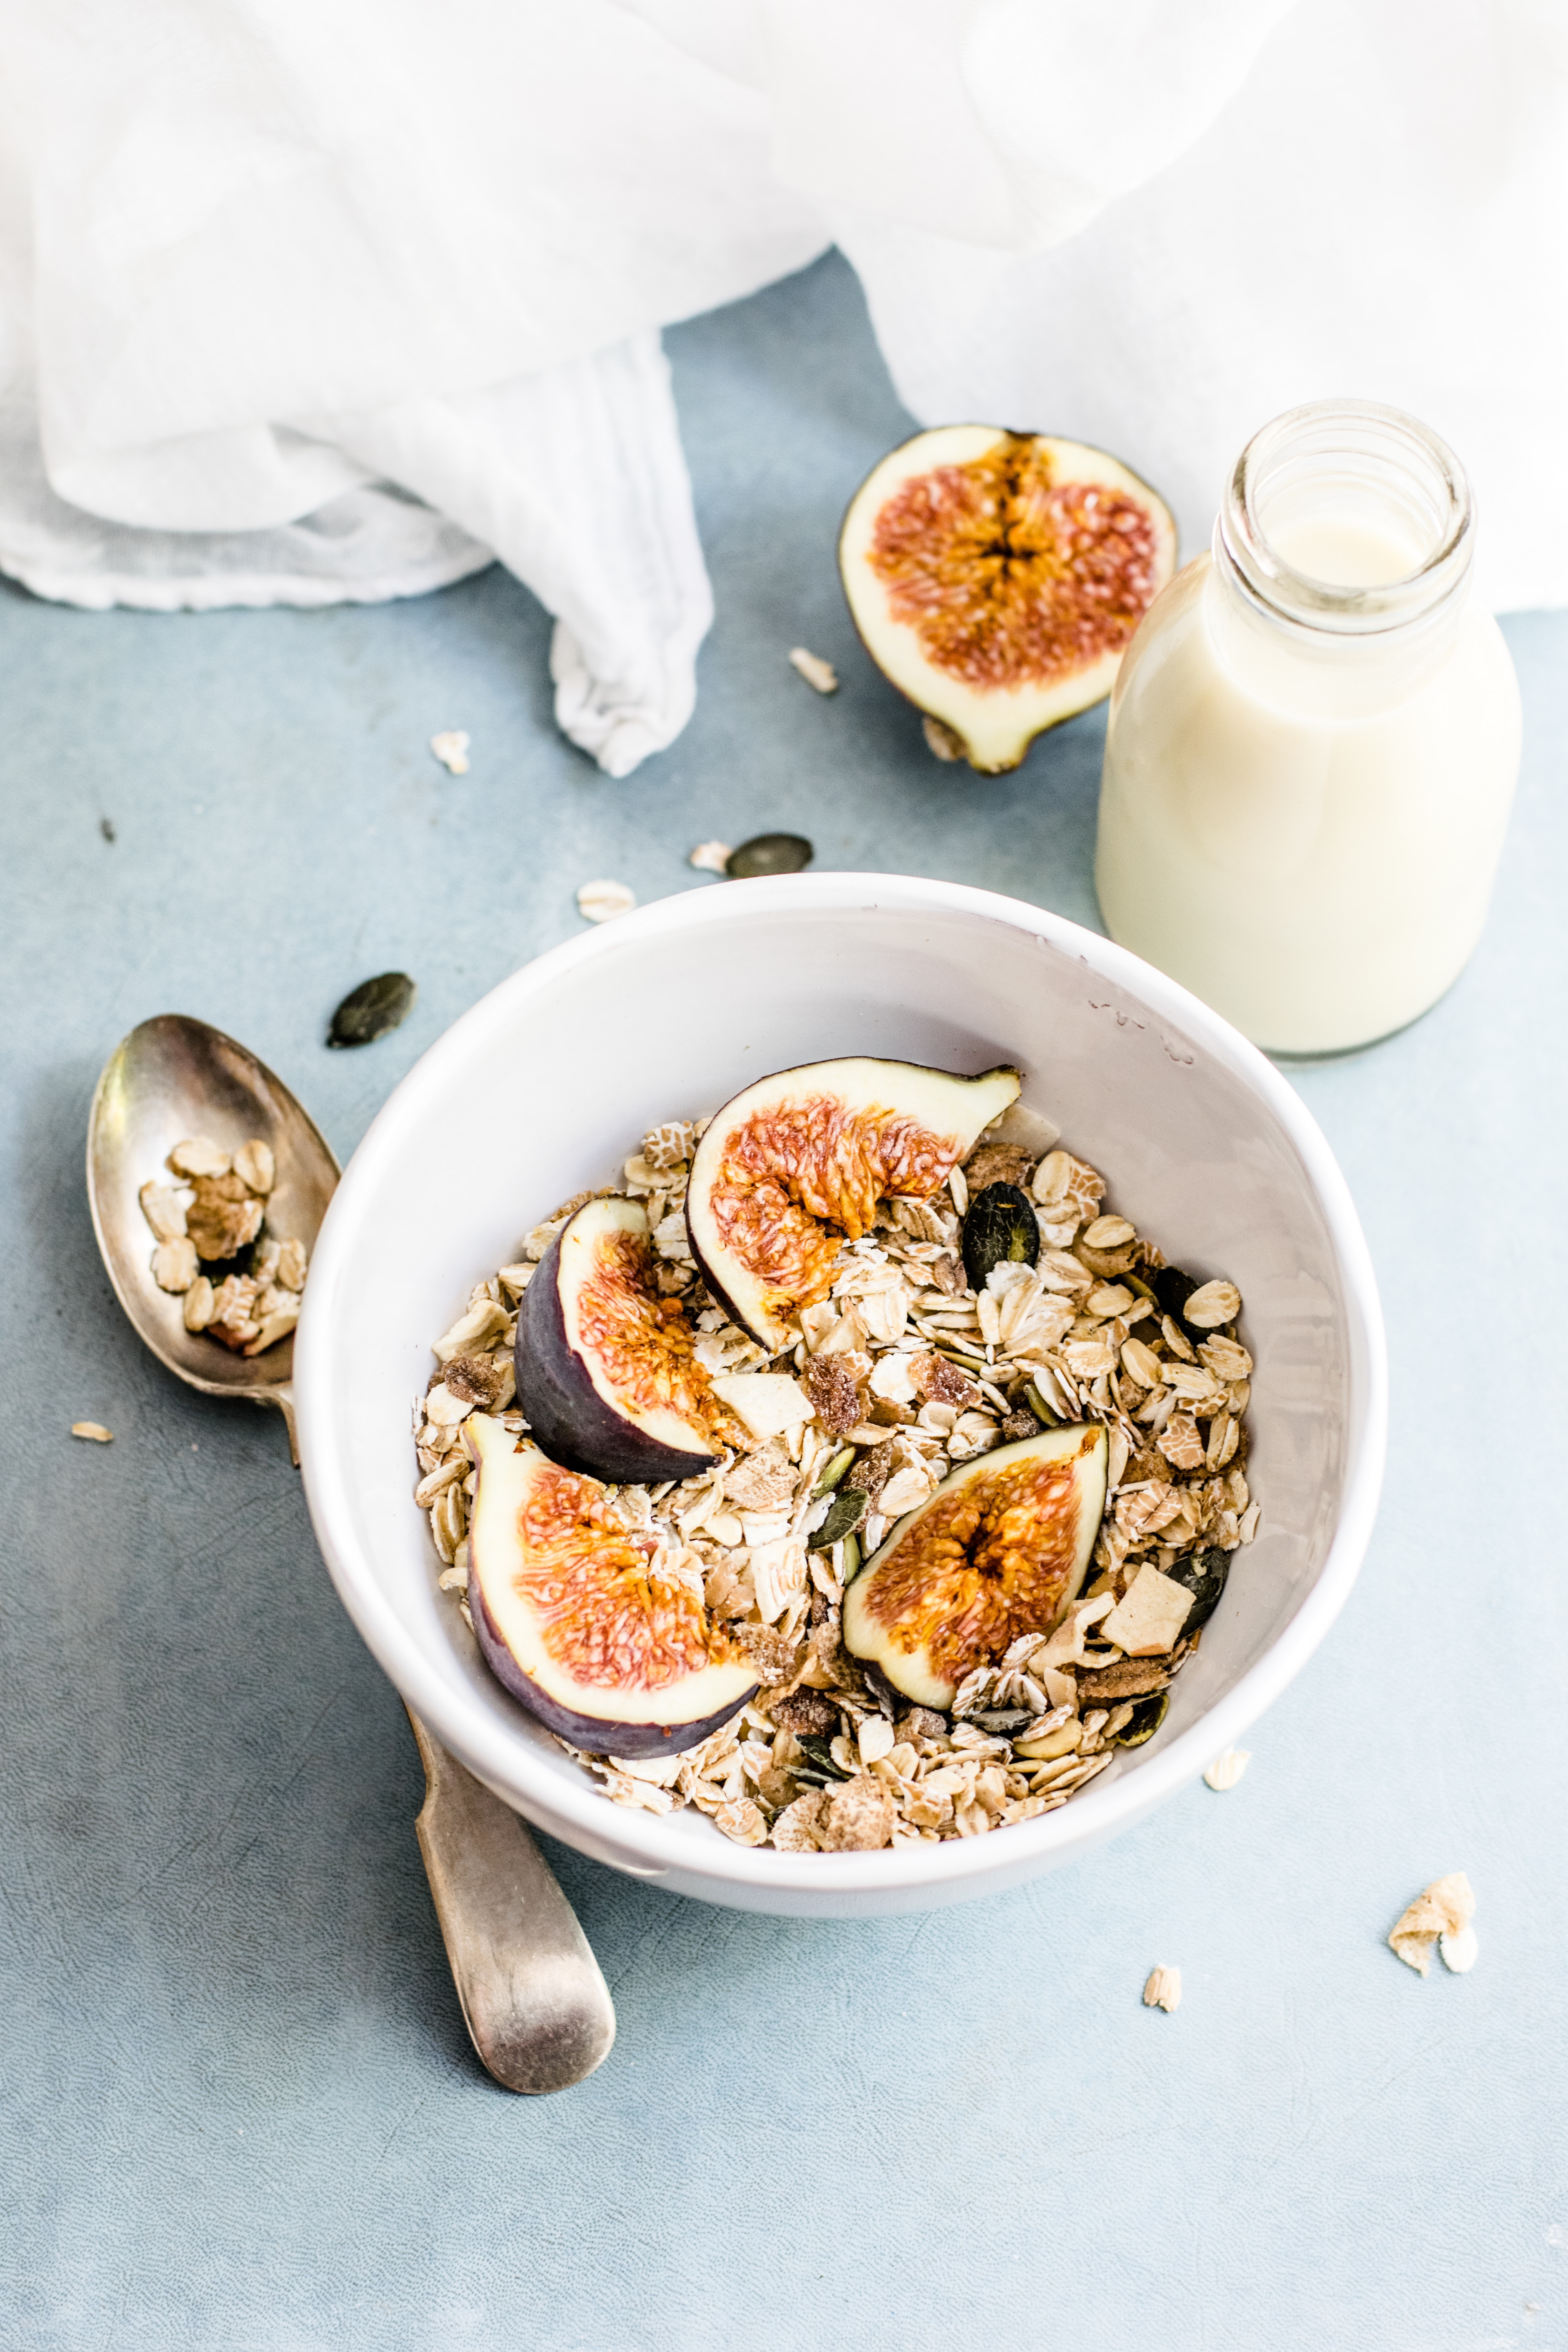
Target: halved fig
605 1373
997 578
999 1550
800 1161
572 1618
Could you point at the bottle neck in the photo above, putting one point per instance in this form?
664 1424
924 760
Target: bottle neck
1342 560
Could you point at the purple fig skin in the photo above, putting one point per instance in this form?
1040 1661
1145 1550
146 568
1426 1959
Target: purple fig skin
566 1415
598 1735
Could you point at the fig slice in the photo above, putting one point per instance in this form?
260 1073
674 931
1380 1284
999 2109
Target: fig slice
573 1616
996 578
999 1550
802 1161
605 1372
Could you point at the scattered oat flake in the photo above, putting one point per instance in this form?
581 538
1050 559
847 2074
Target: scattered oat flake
1228 1768
1442 1910
710 858
1163 1991
942 741
93 1429
451 748
1458 1951
816 672
600 902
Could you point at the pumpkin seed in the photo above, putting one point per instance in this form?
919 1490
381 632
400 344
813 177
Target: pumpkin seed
820 1756
1173 1288
851 1558
1203 1574
372 1010
832 1475
1040 1409
845 1514
1144 1720
1000 1229
769 853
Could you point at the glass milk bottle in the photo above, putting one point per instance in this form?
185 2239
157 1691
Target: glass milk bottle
1313 742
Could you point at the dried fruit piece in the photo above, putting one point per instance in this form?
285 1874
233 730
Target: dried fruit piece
996 578
1001 1229
803 1158
998 1550
372 1010
605 1370
574 1617
1150 1615
769 853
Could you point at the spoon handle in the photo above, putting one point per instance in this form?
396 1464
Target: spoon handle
535 2003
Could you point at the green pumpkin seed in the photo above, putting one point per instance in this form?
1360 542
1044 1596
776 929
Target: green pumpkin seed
1144 1720
845 1514
832 1475
372 1010
851 1569
819 1754
1203 1574
1040 1409
1000 1229
769 853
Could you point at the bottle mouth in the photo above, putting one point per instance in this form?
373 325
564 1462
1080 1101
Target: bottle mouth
1394 490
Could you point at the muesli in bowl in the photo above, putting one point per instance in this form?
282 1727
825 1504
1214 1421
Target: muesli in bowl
849 1471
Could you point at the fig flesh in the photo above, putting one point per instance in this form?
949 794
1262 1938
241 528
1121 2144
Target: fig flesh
605 1372
999 1550
997 578
572 1617
802 1161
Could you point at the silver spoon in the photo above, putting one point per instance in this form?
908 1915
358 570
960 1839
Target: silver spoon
534 1998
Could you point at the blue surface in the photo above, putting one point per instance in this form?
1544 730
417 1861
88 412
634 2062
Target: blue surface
241 2108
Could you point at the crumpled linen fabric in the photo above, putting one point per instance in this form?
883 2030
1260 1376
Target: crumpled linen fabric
302 303
296 302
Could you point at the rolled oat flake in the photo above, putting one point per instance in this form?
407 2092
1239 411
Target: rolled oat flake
372 1010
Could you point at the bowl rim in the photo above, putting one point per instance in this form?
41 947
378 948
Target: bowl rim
573 1806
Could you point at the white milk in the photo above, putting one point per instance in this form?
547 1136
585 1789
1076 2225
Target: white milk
1313 742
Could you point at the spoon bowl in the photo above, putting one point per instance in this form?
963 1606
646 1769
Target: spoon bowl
534 1998
171 1078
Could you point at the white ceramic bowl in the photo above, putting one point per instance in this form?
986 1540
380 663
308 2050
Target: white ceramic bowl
543 1088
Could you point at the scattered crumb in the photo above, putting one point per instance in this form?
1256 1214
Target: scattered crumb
816 672
1163 1991
93 1429
106 827
1227 1769
1442 1910
1459 1951
451 748
600 902
941 739
710 858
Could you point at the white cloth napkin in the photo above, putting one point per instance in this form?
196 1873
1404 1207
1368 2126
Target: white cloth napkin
301 301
